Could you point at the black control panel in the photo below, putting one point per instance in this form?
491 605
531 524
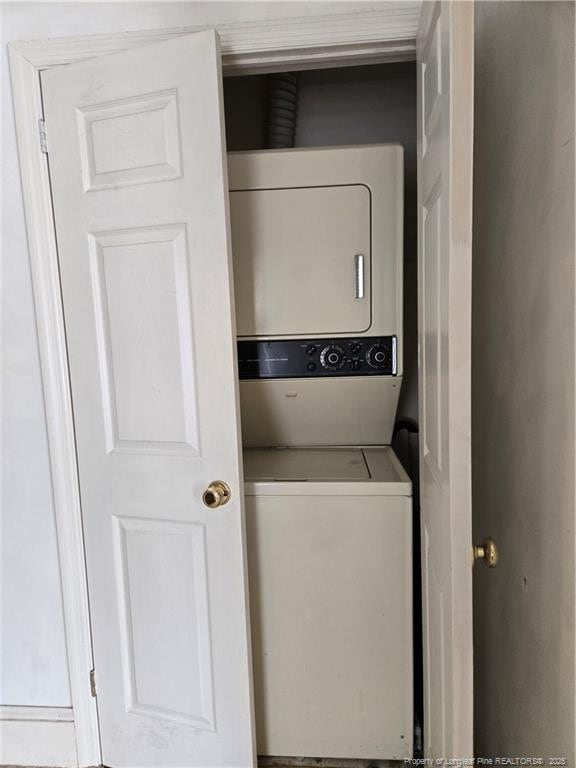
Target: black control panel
314 358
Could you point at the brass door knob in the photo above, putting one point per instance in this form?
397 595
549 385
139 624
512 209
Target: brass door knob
217 494
487 551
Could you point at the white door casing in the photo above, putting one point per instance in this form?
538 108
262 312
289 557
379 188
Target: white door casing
138 172
445 47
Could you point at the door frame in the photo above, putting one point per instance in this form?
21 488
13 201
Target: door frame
387 34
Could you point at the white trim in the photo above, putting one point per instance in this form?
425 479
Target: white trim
380 34
48 743
46 714
58 403
387 33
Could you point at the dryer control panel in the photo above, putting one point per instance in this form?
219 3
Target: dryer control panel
316 358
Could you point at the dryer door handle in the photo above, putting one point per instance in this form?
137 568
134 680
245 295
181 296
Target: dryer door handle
359 276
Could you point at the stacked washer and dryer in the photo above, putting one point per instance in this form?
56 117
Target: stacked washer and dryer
318 252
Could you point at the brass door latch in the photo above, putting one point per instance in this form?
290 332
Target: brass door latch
217 494
487 551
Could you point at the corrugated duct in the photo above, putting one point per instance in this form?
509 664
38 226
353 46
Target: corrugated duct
282 109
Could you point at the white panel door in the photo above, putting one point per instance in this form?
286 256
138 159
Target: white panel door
138 171
445 121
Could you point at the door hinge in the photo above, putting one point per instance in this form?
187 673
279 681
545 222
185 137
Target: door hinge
42 136
93 682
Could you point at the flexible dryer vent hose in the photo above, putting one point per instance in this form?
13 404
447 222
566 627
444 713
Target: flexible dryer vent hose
282 109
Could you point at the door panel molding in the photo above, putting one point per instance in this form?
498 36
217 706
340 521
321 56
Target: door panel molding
388 34
137 666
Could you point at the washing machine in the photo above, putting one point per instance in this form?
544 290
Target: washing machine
317 244
329 534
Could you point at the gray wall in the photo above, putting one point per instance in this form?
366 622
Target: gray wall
523 377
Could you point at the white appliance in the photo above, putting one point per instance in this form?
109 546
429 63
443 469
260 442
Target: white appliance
317 243
317 239
329 534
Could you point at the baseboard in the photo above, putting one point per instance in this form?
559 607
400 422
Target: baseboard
37 736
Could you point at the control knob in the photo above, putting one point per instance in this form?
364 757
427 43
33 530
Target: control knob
332 357
377 356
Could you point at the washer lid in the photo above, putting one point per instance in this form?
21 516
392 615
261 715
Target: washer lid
344 471
292 464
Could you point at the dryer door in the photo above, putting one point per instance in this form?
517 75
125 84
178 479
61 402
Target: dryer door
302 260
